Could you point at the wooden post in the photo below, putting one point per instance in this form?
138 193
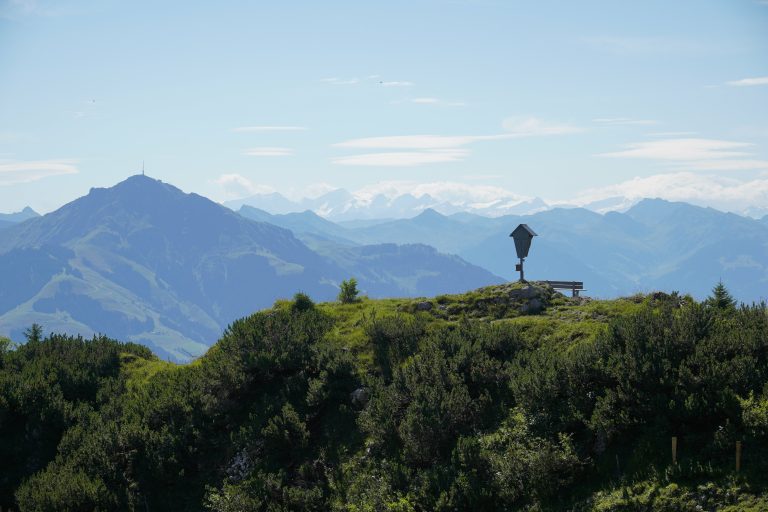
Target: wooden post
674 450
738 455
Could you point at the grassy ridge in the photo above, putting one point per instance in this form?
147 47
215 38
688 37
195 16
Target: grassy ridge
561 322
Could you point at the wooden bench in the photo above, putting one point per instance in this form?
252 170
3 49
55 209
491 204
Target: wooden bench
574 286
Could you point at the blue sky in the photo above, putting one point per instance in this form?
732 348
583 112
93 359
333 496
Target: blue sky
570 101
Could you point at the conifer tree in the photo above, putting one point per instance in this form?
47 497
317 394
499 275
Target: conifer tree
721 298
34 333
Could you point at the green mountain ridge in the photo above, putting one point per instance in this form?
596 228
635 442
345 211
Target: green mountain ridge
146 262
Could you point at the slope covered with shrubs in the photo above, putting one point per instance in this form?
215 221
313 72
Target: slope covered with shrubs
504 398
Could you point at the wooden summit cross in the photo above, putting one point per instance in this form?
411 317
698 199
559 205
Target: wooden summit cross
522 235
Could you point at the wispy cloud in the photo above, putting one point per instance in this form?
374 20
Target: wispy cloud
340 81
726 165
414 141
535 127
12 172
315 190
427 149
707 190
749 82
431 101
514 128
236 186
682 149
268 151
694 154
443 191
623 121
274 128
670 134
402 83
403 158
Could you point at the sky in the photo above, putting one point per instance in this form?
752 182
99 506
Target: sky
574 102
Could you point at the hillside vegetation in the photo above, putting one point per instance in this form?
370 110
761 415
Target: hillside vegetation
510 397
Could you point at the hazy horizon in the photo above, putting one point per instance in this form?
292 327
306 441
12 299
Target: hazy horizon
362 199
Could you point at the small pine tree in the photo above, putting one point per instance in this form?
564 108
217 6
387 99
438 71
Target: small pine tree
348 291
721 298
301 303
34 333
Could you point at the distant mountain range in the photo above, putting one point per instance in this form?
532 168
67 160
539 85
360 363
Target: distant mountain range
144 261
342 205
655 245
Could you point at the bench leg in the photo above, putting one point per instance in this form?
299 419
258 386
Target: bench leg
575 292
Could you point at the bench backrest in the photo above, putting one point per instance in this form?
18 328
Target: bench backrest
570 285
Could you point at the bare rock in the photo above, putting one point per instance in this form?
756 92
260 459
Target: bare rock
527 292
532 307
424 306
360 397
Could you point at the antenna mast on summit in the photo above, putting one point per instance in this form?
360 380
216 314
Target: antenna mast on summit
142 167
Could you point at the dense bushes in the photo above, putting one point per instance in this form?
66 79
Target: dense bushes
454 415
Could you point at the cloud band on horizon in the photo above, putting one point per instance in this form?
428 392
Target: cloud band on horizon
13 172
427 149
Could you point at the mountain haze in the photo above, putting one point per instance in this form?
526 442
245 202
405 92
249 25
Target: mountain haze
146 262
341 205
655 244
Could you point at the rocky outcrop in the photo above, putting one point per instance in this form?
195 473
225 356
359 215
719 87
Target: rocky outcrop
495 302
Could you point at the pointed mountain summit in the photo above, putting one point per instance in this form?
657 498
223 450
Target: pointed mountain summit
151 221
146 262
8 219
430 217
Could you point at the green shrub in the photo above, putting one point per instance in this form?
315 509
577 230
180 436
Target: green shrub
348 291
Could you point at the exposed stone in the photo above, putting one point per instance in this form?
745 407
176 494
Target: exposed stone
424 306
360 397
532 307
528 292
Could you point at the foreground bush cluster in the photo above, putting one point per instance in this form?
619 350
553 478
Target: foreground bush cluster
443 416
